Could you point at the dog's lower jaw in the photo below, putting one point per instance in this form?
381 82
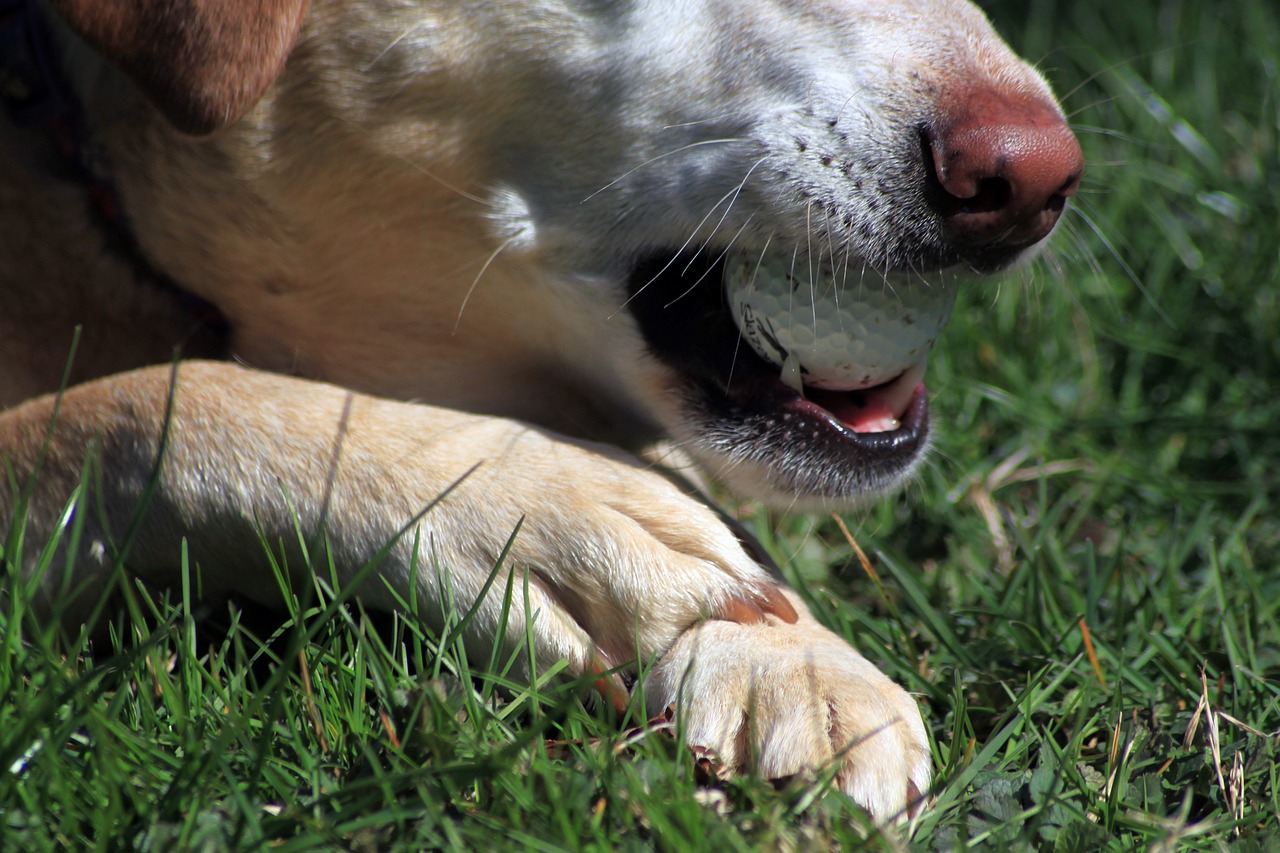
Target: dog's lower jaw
800 480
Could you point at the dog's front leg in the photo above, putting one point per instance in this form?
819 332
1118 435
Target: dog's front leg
612 563
616 560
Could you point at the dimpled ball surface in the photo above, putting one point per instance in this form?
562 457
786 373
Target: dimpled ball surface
836 328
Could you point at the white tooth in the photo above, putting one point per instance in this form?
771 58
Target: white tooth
791 372
897 395
915 373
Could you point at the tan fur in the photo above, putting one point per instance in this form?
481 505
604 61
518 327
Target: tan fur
438 203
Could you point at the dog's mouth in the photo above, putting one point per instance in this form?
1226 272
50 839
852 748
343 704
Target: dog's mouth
769 435
887 407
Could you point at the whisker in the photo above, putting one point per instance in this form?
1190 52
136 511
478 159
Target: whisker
808 242
731 196
1124 265
1119 63
483 269
653 160
719 257
404 35
1128 138
432 175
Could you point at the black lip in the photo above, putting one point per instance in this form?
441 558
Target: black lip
679 303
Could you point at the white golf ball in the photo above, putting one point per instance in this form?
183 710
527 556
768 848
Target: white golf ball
836 328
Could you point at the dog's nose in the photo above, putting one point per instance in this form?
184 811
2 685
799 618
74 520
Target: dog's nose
1004 168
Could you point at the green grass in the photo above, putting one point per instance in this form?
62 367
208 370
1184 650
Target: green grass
1108 473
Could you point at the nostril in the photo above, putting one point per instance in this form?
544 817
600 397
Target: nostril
998 171
946 194
993 194
953 195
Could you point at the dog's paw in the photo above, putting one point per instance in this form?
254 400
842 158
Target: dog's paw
617 561
780 699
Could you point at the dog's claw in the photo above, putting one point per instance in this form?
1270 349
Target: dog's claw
765 601
915 800
775 603
609 684
741 611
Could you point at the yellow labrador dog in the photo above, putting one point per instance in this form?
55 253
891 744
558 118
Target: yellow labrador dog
471 253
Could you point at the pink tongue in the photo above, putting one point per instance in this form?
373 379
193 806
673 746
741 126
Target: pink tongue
869 414
878 409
